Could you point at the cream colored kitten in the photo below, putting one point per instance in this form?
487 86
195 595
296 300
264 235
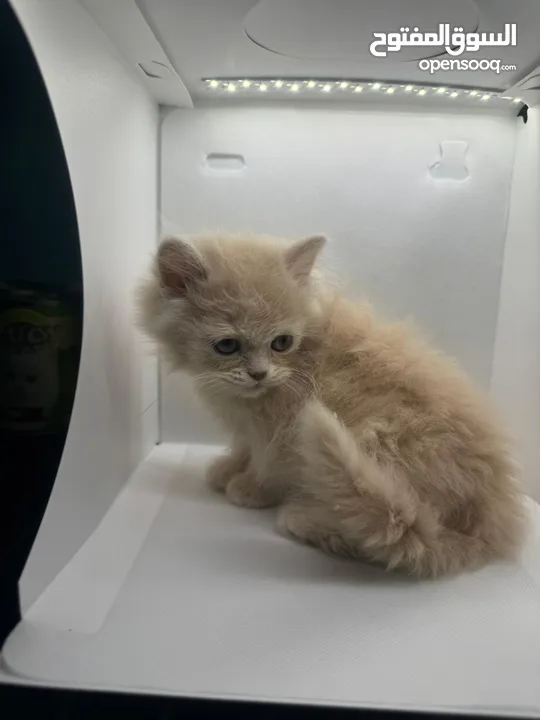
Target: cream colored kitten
374 445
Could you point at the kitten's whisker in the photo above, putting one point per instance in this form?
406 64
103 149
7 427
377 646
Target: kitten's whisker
292 387
310 381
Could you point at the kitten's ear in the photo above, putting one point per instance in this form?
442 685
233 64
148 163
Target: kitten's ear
301 256
179 266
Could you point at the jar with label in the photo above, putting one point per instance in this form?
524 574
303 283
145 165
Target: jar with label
37 367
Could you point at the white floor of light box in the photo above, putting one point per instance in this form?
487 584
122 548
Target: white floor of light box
179 592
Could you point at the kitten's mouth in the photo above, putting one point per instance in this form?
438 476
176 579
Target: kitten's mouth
253 390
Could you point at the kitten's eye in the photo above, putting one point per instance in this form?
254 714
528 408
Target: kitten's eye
227 346
282 343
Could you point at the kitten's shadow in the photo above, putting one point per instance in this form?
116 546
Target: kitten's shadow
256 549
282 559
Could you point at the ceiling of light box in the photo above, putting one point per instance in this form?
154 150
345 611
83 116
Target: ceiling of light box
331 39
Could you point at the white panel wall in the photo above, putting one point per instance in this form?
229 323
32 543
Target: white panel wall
419 239
109 127
516 366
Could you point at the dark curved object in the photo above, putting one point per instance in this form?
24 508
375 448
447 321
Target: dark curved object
524 113
41 306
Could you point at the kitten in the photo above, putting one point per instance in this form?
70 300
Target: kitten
374 445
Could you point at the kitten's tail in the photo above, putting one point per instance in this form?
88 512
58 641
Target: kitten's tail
370 511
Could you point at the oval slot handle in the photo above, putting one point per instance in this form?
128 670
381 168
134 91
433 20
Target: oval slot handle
225 162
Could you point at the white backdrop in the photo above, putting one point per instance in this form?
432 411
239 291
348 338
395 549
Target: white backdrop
404 233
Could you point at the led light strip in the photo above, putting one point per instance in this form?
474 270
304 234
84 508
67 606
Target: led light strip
243 86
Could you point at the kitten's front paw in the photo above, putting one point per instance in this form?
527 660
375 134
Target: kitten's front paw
224 468
243 490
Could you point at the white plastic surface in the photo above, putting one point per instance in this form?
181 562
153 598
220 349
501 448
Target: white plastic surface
106 558
417 242
343 30
316 38
216 603
126 27
109 129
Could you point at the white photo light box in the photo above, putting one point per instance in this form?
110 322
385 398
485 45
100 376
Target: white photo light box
272 117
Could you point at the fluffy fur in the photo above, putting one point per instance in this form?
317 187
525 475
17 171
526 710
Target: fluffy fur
374 445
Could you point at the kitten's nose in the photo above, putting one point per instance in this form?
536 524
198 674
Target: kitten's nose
257 374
